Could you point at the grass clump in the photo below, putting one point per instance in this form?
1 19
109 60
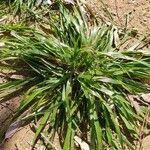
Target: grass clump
75 82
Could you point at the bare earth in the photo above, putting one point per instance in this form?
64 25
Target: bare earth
137 15
137 12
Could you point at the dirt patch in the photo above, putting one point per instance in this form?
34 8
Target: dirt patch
135 14
22 140
146 143
7 110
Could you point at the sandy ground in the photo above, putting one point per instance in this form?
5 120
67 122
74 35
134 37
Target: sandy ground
135 14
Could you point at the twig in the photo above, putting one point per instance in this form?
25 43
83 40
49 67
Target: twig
46 139
105 7
118 13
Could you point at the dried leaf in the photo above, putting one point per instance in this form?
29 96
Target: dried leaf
135 104
13 129
146 97
80 143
